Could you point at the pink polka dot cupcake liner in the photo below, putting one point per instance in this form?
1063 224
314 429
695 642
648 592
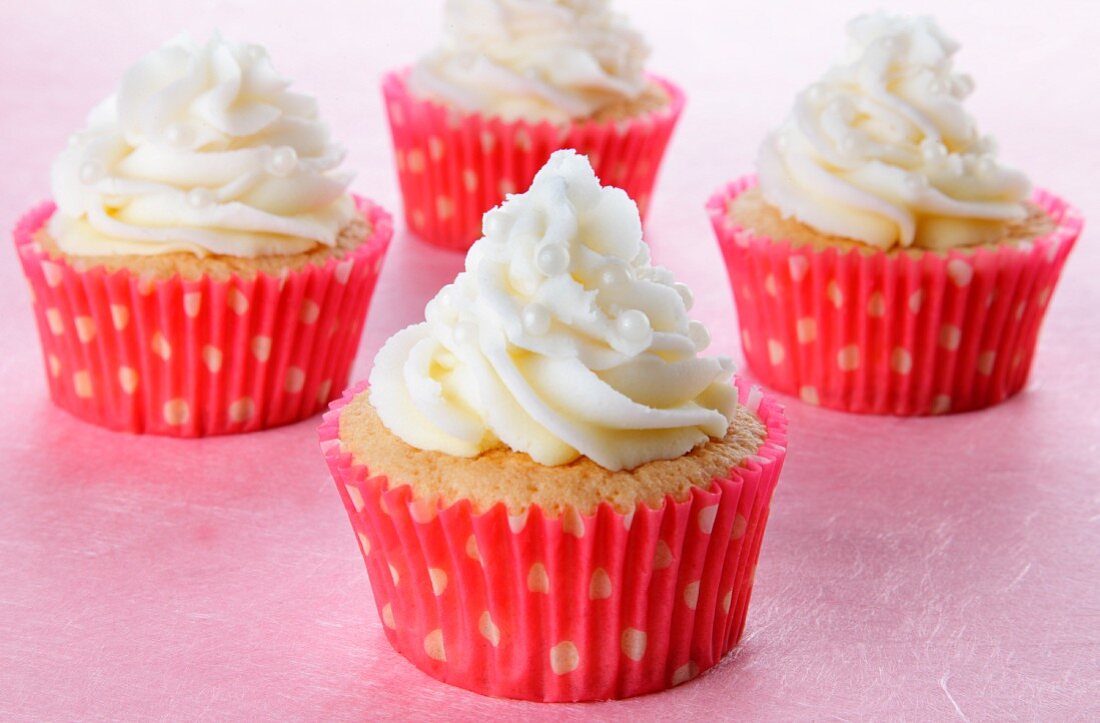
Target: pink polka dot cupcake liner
203 357
903 333
578 607
453 166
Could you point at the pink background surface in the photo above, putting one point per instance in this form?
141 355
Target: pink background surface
927 568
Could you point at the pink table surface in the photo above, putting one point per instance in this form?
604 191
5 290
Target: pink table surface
920 568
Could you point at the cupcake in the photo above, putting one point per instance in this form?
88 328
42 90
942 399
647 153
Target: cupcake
557 498
203 268
511 82
883 260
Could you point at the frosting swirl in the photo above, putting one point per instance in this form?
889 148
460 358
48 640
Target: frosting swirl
204 150
560 339
553 60
882 151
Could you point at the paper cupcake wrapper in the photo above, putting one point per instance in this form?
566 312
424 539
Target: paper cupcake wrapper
572 608
453 167
203 357
907 333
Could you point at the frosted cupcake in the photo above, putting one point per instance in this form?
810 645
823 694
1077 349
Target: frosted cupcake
511 82
204 270
557 497
884 260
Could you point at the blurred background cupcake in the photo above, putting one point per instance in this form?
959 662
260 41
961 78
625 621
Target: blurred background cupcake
556 496
884 260
511 82
204 269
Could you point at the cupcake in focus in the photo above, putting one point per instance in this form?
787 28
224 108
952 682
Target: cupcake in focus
557 496
884 260
511 82
203 268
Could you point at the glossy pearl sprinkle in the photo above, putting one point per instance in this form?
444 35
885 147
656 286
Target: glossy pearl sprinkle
91 172
700 337
179 135
465 332
614 275
282 161
552 260
633 325
685 295
200 197
536 319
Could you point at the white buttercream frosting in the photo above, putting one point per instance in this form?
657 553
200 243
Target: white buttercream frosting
560 339
882 151
202 149
554 60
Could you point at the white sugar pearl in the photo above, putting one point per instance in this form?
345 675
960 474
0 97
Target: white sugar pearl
179 135
937 87
633 325
465 333
933 150
91 172
200 197
497 224
815 93
963 86
916 184
849 143
985 166
685 294
536 319
614 274
282 161
552 260
700 337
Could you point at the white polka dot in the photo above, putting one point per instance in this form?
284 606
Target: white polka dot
564 657
444 207
433 645
212 358
146 284
915 301
809 395
633 643
662 555
82 384
192 303
53 274
422 511
727 601
127 379
516 523
176 412
438 577
394 575
537 579
1020 309
469 180
342 270
685 673
507 186
120 316
691 594
387 617
242 410
488 629
950 336
572 523
746 340
471 548
776 352
237 301
54 321
960 272
85 328
599 587
985 362
769 285
323 391
876 305
1044 296
706 518
834 294
418 218
415 160
55 365
356 497
435 148
941 403
161 347
740 524
806 330
488 140
901 361
364 542
628 520
848 358
310 311
295 380
799 266
261 347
